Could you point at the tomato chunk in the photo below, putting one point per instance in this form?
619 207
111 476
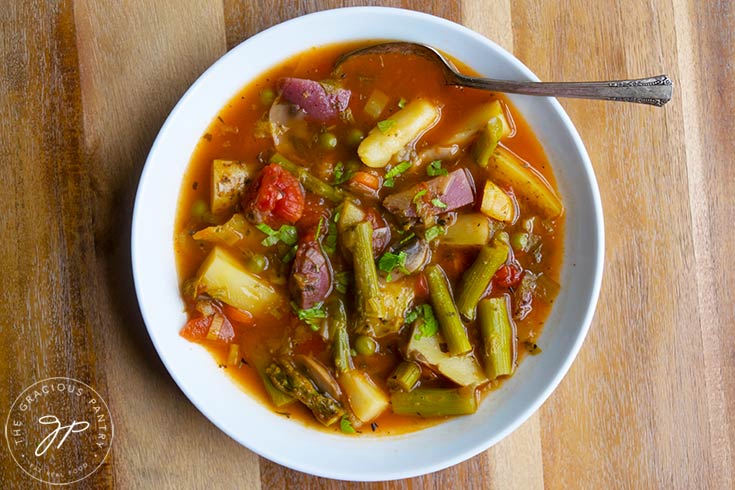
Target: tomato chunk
196 329
276 196
508 276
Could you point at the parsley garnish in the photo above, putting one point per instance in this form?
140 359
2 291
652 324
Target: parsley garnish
395 172
438 203
290 254
402 103
434 232
286 234
330 242
384 126
419 195
342 280
341 174
407 238
428 326
390 261
310 315
435 169
346 426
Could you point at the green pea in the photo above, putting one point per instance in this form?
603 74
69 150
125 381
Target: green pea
355 136
267 96
200 209
365 345
519 241
257 263
328 141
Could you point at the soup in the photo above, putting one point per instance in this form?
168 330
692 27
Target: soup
365 249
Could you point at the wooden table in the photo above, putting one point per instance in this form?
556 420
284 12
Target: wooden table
649 403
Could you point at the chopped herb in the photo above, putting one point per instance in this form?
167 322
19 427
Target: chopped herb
390 261
434 232
429 326
330 242
346 426
419 195
341 174
342 280
310 315
407 238
384 126
290 254
286 234
402 103
395 172
435 169
438 203
319 227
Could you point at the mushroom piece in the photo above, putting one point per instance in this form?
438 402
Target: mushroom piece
319 375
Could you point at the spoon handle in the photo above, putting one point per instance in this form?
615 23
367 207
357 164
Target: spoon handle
653 91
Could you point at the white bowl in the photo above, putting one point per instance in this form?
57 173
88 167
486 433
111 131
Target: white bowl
288 442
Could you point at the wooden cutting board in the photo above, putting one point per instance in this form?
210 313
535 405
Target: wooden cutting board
649 403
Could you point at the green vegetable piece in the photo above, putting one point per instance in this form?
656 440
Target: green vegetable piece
267 96
311 316
449 321
487 141
434 232
286 234
328 141
435 402
405 376
370 306
395 172
438 203
497 333
355 136
476 279
365 345
284 376
257 263
390 261
309 181
346 426
384 126
338 333
435 169
278 397
342 281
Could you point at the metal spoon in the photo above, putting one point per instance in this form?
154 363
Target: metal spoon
653 91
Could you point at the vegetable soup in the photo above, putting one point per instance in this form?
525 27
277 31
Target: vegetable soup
365 249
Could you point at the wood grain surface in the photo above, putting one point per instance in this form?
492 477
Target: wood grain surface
650 401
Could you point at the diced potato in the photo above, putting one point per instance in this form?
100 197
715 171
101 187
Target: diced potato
377 149
506 168
375 105
223 277
462 369
350 215
366 400
496 203
469 229
236 232
478 120
229 179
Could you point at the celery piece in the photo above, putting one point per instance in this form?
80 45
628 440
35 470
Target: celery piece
404 376
376 103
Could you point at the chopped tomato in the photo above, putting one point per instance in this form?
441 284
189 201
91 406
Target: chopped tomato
508 276
237 315
421 288
276 195
196 329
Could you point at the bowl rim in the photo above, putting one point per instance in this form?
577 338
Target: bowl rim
137 245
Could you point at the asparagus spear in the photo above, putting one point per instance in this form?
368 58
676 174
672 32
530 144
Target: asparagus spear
312 183
338 333
432 402
477 278
405 376
288 379
497 335
370 307
446 312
